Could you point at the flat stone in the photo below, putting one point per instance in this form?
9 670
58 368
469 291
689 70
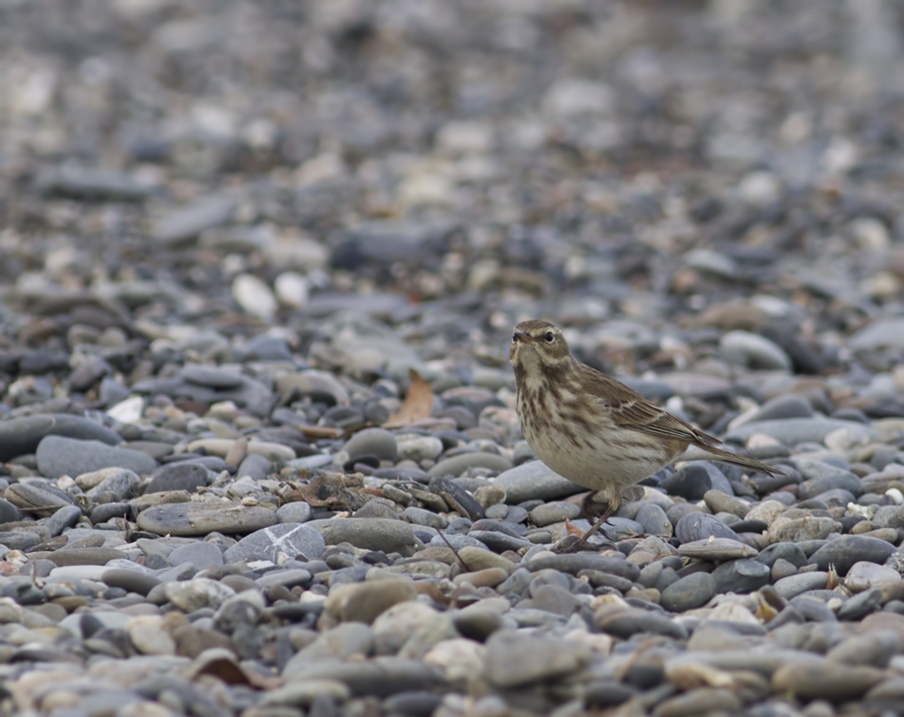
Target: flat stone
58 456
699 526
850 549
825 680
703 700
568 563
792 431
135 581
390 536
515 660
84 556
623 622
377 677
534 480
199 519
303 693
283 539
717 549
20 436
801 583
456 465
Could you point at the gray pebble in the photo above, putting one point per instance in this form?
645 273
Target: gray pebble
282 539
373 441
58 456
797 584
200 554
753 351
19 436
515 660
555 512
534 480
456 465
691 591
390 536
792 431
295 512
199 519
697 526
741 576
850 549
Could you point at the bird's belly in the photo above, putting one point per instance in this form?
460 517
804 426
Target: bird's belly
596 464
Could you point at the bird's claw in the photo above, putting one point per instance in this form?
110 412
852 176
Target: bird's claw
571 544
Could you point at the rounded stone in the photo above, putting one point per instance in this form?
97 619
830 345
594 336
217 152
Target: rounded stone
178 476
691 591
364 602
373 441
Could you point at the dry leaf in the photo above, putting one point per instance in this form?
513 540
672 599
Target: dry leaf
418 403
571 530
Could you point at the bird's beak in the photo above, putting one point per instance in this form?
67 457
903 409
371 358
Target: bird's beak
521 336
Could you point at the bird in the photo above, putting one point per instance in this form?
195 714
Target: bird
594 430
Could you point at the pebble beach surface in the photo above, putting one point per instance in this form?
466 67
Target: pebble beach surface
259 265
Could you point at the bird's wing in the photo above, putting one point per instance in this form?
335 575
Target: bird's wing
631 410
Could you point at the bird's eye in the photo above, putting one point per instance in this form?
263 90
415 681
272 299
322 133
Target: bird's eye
550 337
514 338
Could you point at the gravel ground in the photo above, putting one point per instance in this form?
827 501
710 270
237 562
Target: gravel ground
259 265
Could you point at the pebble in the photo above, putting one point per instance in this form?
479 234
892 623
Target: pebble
364 602
515 660
534 481
19 436
848 550
189 519
689 592
373 441
370 533
58 456
277 542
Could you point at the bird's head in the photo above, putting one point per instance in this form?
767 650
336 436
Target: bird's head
538 344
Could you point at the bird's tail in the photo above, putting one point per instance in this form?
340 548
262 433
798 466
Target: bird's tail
696 453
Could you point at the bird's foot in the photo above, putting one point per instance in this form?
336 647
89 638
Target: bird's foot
572 544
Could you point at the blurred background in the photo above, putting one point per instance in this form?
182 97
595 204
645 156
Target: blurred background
455 166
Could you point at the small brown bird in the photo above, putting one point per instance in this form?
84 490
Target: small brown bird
594 430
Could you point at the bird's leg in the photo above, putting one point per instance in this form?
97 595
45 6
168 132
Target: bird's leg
604 516
591 508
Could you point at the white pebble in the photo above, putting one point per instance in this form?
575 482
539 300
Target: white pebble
896 495
292 289
128 410
254 296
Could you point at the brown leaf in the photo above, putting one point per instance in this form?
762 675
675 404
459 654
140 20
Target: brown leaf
418 403
571 530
